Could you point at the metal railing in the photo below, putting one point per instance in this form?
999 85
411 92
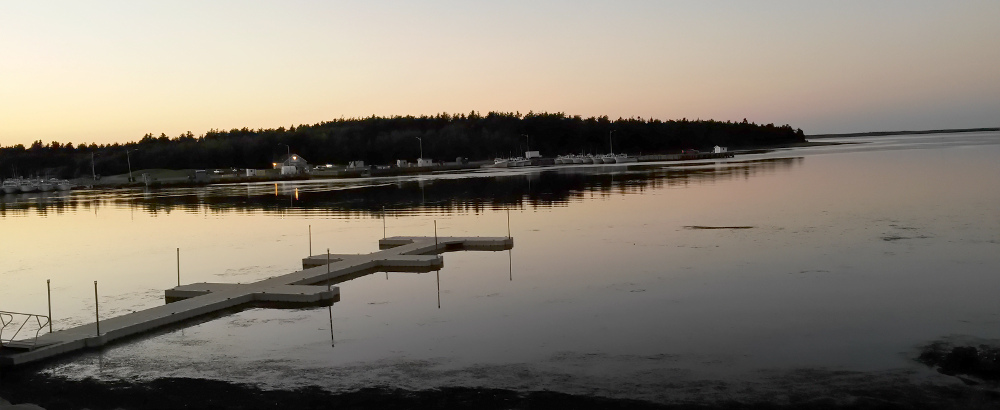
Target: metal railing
8 319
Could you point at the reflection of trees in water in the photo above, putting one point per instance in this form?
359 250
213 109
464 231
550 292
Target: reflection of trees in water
548 188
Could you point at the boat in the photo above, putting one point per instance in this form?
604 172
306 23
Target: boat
45 185
510 162
11 186
62 184
28 185
621 158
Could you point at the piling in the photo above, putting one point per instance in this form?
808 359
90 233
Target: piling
178 266
97 310
311 240
333 343
508 222
48 288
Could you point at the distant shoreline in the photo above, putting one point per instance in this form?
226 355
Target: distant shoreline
883 133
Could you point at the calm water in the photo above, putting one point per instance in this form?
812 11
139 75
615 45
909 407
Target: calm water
858 255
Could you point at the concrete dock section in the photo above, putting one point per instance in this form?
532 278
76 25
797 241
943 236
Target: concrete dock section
311 286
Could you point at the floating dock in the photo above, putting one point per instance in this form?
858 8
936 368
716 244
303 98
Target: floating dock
311 286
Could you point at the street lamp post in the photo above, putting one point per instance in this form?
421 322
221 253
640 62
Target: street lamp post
421 148
611 143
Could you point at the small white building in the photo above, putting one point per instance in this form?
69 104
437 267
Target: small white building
532 154
355 164
251 172
402 163
292 165
424 162
719 150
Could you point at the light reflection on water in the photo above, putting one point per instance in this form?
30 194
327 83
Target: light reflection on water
858 254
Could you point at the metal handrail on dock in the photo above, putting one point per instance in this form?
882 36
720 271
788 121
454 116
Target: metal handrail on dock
7 319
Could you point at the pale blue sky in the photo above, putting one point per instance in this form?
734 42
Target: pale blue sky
107 71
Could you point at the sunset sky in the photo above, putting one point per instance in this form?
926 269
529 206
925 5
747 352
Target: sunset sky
111 71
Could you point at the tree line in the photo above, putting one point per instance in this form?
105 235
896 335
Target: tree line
382 140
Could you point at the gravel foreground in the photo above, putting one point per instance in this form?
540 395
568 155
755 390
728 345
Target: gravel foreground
54 393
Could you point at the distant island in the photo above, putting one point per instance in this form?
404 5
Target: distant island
384 140
882 133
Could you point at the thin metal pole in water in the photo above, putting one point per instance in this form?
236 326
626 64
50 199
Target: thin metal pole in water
438 274
333 343
510 266
311 240
178 266
329 287
435 236
97 309
508 222
48 287
383 222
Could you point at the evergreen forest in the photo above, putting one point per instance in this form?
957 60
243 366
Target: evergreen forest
383 140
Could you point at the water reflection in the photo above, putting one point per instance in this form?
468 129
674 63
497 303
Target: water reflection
454 193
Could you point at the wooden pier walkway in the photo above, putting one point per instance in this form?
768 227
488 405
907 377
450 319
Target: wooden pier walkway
311 286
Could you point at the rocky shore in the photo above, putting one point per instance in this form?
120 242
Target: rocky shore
55 393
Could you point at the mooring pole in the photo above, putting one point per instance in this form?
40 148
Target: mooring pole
97 310
435 236
508 222
48 287
178 266
311 241
333 343
383 222
329 286
438 274
510 266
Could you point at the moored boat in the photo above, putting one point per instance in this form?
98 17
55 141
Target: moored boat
28 185
11 186
621 158
45 185
63 185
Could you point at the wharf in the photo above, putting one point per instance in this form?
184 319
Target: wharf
311 286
